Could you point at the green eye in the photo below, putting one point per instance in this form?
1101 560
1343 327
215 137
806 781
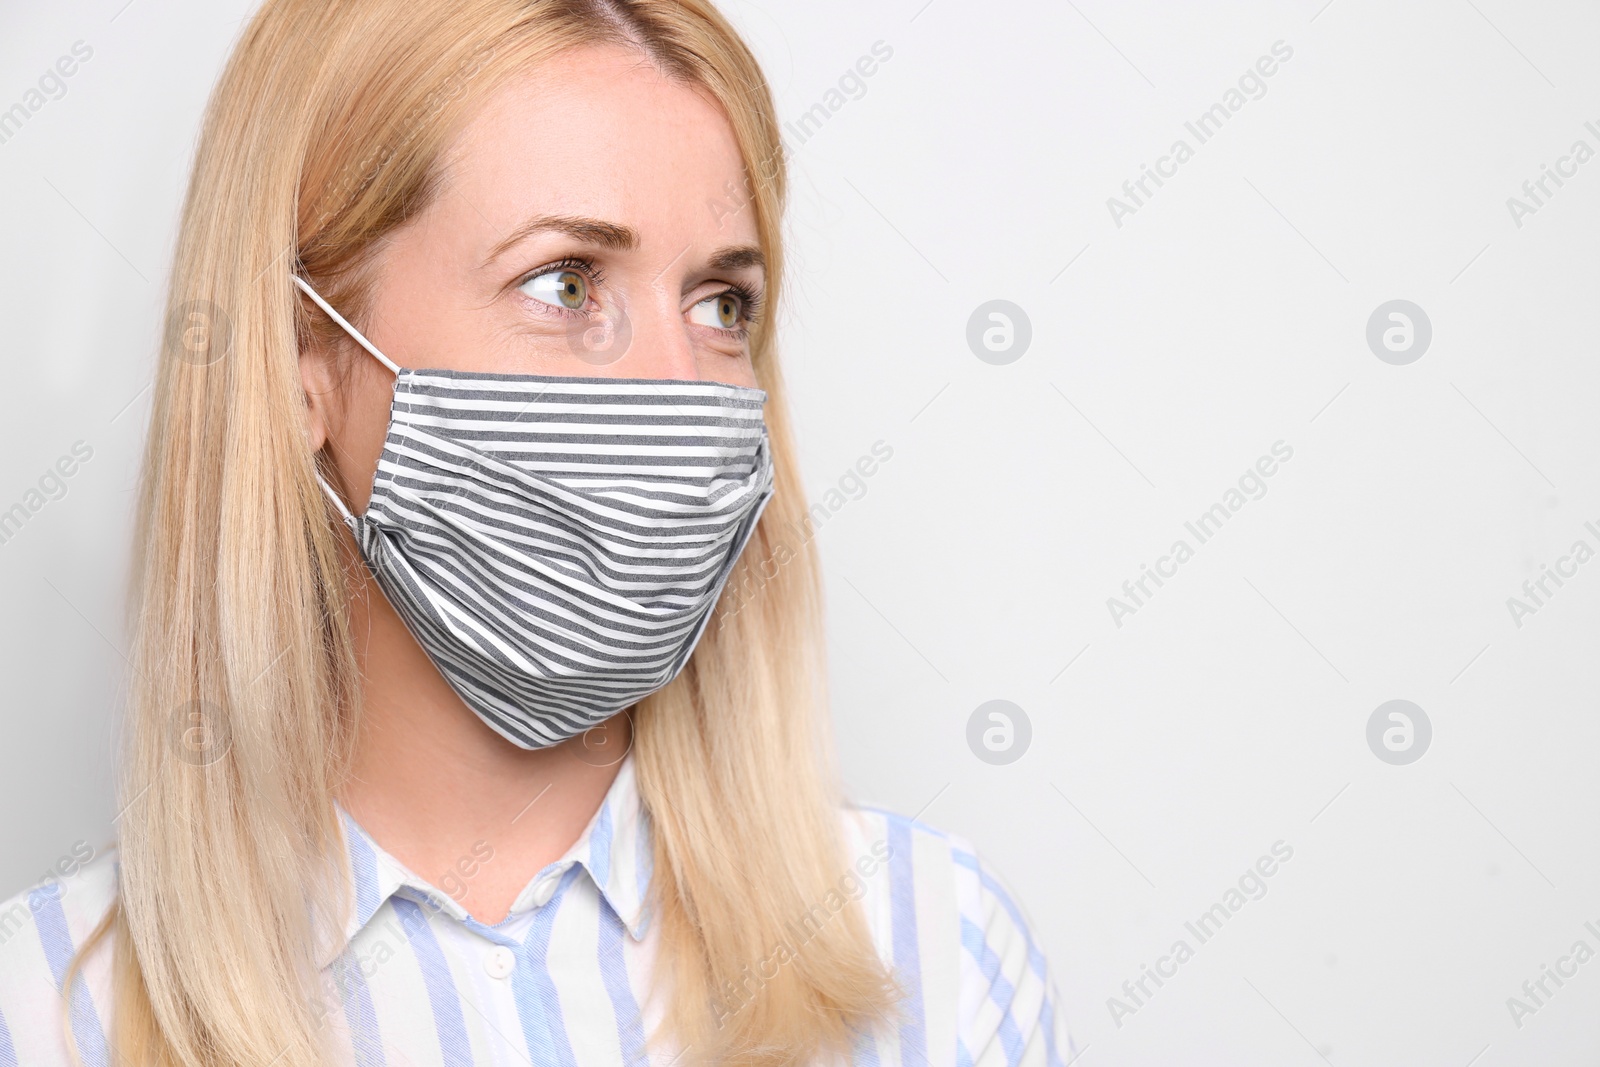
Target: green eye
566 288
723 311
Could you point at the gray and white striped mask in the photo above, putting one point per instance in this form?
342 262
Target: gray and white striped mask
557 544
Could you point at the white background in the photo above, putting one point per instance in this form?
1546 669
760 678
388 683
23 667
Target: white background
1168 353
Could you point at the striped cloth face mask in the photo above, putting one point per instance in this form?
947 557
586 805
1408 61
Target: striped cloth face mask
557 544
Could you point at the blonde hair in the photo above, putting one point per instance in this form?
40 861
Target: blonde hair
324 134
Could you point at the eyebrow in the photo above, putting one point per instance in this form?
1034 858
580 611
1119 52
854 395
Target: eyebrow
617 237
579 227
737 257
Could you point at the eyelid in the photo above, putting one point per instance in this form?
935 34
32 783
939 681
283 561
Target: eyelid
591 271
750 299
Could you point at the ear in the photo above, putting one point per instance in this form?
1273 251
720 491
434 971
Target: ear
317 377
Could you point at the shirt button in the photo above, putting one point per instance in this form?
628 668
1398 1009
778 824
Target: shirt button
499 962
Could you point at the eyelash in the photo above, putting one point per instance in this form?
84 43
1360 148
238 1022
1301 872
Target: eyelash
587 267
749 302
749 299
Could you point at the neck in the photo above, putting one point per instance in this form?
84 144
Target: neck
440 790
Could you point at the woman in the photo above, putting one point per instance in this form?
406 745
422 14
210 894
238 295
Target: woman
419 766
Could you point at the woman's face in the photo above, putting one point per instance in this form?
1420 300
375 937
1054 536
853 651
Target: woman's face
592 221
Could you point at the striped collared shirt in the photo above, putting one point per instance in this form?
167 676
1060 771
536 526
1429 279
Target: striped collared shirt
562 981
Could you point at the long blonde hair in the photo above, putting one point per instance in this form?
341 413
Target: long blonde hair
322 136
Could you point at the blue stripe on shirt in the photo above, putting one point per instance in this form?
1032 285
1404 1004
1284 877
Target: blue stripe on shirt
366 1041
1036 958
364 866
538 1002
1000 989
644 864
614 972
56 939
8 1054
443 995
600 846
968 860
865 1053
1047 1019
907 955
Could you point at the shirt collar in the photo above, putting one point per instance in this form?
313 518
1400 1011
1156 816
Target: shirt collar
614 850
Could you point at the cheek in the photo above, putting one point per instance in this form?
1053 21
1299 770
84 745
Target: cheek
730 370
356 441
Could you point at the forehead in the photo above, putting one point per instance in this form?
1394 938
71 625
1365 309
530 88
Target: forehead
599 131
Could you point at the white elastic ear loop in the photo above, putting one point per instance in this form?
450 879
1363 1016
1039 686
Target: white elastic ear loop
349 329
364 343
328 490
